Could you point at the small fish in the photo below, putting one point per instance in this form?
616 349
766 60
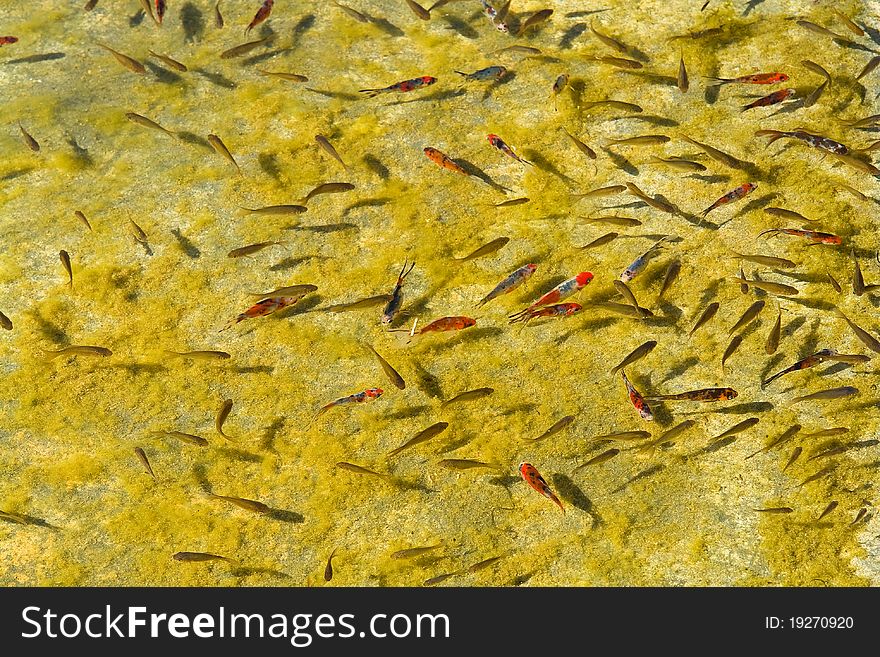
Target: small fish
858 282
261 15
218 17
464 464
242 503
160 10
5 322
818 29
828 509
125 60
812 235
611 42
560 84
657 204
328 569
512 202
488 73
731 348
396 301
535 19
708 314
147 123
168 61
831 393
556 310
560 292
786 214
328 188
738 428
443 324
200 556
534 479
525 50
834 283
601 458
485 563
470 395
769 286
624 309
418 10
668 437
635 355
623 289
263 308
641 262
325 144
743 286
581 146
686 166
754 78
777 509
624 435
283 75
558 426
422 436
289 291
803 364
90 5
359 469
245 48
868 68
358 16
641 140
32 143
816 141
442 159
703 395
142 457
486 249
637 400
736 194
250 249
357 398
277 210
772 343
439 578
794 457
500 144
682 80
412 553
672 272
623 222
65 260
79 215
185 437
610 190
78 350
748 316
218 145
601 241
401 87
222 414
494 17
850 25
6 40
619 62
720 156
390 372
864 337
821 473
201 355
360 304
616 104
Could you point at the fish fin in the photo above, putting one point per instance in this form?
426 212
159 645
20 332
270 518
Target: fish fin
370 93
717 82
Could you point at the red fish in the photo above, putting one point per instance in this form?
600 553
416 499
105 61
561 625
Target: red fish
771 99
812 235
160 10
755 78
7 39
263 308
455 323
402 87
637 400
736 194
536 481
442 159
357 398
559 310
562 291
498 143
261 15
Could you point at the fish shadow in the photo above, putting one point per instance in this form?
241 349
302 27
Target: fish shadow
269 164
572 33
17 173
374 165
681 368
284 515
477 172
271 433
240 455
301 307
185 244
137 18
193 22
215 78
386 26
444 94
33 59
245 571
304 24
291 263
570 492
644 474
409 412
163 75
461 27
325 228
368 203
255 369
81 154
652 119
544 164
32 521
194 139
426 382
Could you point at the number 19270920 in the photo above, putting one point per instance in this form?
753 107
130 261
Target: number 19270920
809 622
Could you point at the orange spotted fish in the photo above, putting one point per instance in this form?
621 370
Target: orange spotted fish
562 291
812 235
357 398
755 78
401 87
263 308
498 143
455 323
442 159
261 15
536 481
558 310
771 99
736 194
637 400
4 40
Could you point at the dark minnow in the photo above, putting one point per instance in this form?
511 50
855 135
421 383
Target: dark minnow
769 261
611 42
655 203
401 87
748 316
486 249
5 322
485 563
743 190
422 436
200 556
641 262
635 355
787 435
558 426
289 291
412 553
816 68
390 372
707 315
581 146
818 29
816 141
218 145
623 435
850 359
828 469
772 343
825 433
607 455
358 16
469 395
65 260
828 509
488 73
90 5
731 348
607 238
328 569
418 10
526 50
834 283
277 210
359 469
613 220
168 61
667 438
831 393
142 457
396 301
857 163
679 164
720 156
510 283
809 101
360 304
861 514
218 17
325 144
803 364
623 289
201 355
699 34
328 188
31 143
242 503
250 249
440 578
769 286
703 395
743 286
147 123
512 202
559 86
185 437
79 215
850 25
535 19
222 414
601 191
616 104
682 79
283 75
619 62
640 140
738 428
775 509
623 309
795 454
869 67
465 464
672 272
78 350
125 60
245 48
866 338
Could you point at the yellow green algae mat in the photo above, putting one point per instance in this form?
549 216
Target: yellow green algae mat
144 259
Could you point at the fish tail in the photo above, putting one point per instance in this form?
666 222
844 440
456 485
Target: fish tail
717 82
773 134
460 73
370 93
